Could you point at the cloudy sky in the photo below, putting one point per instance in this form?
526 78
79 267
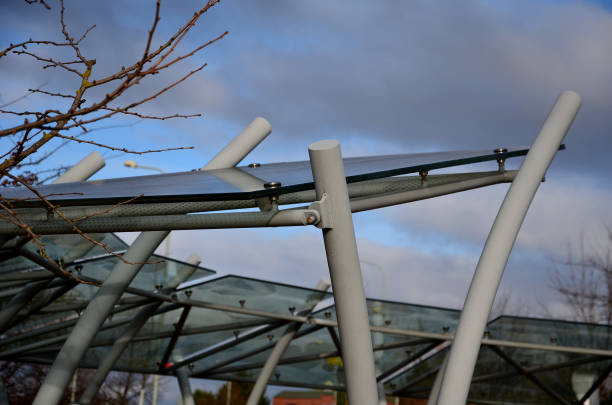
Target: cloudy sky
380 77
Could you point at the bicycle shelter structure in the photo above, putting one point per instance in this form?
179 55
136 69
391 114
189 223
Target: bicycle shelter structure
78 304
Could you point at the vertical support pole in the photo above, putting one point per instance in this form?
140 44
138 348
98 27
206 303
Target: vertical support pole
490 268
343 262
127 335
183 380
281 346
98 309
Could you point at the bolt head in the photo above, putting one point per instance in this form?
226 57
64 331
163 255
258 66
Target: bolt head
500 150
272 184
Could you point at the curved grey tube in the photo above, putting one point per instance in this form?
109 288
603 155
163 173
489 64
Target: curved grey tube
490 268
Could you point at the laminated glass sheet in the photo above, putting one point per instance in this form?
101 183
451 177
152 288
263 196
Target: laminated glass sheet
157 271
190 344
256 294
397 315
66 248
547 331
495 379
243 182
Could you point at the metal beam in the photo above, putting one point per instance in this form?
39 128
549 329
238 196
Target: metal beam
289 217
335 339
19 301
389 199
383 376
490 268
56 294
174 338
57 326
209 351
343 262
45 345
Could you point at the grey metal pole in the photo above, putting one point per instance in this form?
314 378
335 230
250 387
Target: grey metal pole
435 389
287 217
83 170
281 346
126 337
490 268
94 315
183 380
343 262
241 145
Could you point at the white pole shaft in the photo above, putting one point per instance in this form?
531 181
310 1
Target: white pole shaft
183 379
490 268
347 284
83 170
241 145
281 346
155 389
435 389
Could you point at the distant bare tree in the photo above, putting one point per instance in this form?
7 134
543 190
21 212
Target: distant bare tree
585 285
585 282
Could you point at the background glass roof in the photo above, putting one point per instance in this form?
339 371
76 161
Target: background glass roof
228 344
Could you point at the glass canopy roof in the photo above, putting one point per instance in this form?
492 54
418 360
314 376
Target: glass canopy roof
230 343
244 182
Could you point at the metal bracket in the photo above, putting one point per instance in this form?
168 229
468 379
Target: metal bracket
323 208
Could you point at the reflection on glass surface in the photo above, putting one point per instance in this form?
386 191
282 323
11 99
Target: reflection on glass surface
65 249
245 182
